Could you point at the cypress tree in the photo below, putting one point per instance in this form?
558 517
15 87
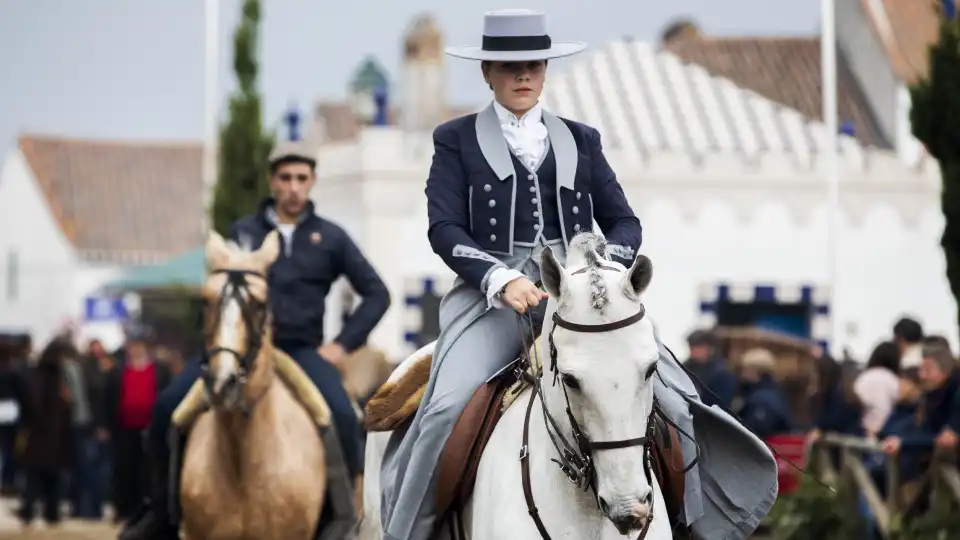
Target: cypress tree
935 119
244 145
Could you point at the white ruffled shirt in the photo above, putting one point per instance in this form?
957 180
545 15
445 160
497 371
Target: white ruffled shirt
526 136
527 139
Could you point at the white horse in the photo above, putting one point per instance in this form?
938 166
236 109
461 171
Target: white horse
606 355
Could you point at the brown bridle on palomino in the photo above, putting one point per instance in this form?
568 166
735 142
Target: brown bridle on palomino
254 314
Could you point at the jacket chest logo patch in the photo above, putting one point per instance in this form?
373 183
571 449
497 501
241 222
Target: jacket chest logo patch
316 238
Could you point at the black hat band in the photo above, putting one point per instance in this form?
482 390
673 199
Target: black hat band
516 43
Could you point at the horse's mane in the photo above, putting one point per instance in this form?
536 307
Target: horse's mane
234 246
590 249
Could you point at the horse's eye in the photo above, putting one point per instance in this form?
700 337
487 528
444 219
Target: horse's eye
650 371
570 381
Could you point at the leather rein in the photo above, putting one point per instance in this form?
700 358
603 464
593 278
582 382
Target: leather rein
576 460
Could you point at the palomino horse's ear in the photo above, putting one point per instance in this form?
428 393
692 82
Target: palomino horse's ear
216 249
638 277
269 250
551 273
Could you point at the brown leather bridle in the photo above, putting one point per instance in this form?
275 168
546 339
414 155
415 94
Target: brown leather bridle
576 460
254 313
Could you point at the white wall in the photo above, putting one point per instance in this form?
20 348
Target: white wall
47 265
721 223
51 281
887 269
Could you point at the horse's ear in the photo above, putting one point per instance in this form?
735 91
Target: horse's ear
270 249
551 273
638 277
216 250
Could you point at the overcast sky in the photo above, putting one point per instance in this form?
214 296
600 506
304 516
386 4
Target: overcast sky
134 69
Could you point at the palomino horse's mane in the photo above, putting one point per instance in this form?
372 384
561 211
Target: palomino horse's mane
591 248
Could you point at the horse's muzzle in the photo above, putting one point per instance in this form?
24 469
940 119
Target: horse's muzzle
224 392
628 515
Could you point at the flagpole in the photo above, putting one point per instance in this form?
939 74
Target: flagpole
828 74
210 106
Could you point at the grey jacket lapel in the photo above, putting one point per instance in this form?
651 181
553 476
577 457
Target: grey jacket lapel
492 143
564 149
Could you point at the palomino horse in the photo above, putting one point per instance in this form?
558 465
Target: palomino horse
594 403
364 370
254 465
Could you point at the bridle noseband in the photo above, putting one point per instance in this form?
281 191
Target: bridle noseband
254 315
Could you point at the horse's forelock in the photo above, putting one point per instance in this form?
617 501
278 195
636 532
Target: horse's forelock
589 249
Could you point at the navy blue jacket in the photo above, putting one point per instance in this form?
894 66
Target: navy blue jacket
940 409
466 191
715 377
837 415
765 411
301 277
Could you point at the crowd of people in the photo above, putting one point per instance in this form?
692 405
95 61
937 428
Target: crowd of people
752 393
905 397
72 422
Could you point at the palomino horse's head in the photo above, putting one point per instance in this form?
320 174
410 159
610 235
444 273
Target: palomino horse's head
604 352
235 317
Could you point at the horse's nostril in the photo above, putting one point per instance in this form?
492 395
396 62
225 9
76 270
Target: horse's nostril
603 506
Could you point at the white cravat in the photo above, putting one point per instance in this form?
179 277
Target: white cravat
526 136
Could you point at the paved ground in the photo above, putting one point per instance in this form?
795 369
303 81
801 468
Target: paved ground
10 528
68 531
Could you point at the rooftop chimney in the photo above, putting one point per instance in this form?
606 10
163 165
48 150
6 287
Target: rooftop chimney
424 105
679 30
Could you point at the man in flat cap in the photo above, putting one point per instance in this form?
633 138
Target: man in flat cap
316 252
706 364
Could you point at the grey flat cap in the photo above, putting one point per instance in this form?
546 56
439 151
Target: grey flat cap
292 150
516 35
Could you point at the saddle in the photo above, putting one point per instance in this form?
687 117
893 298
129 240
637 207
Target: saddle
398 399
289 372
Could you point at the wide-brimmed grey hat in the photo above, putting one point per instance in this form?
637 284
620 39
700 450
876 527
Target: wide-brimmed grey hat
516 35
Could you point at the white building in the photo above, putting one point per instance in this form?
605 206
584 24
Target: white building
887 44
75 215
730 189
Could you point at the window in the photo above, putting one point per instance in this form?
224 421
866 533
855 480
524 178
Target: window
793 319
13 275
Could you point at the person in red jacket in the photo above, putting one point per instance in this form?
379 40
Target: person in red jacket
132 393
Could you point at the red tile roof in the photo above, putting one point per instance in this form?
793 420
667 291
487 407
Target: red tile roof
785 70
129 202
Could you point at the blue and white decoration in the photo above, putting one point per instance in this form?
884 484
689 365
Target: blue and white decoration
111 308
817 298
418 293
